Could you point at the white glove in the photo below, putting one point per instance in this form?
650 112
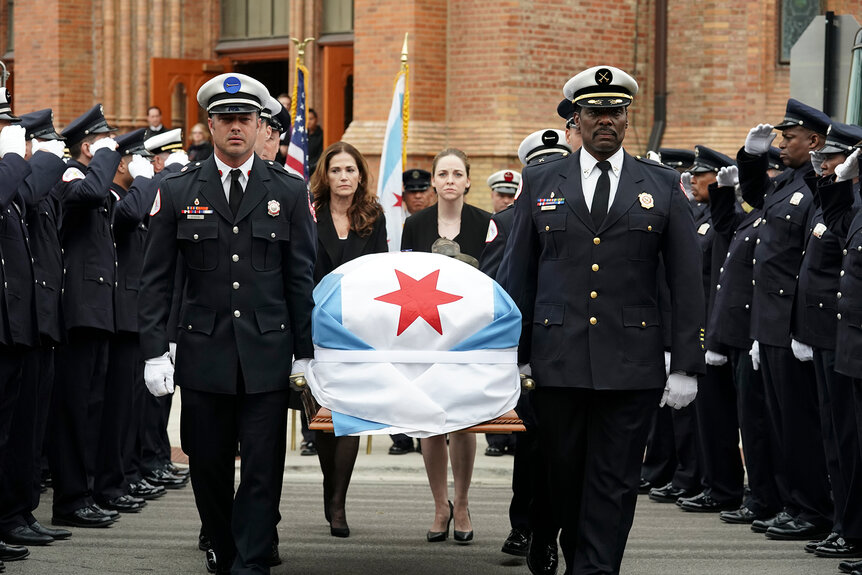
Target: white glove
685 180
159 375
846 171
297 374
759 139
141 167
713 358
655 157
727 177
667 364
56 147
801 351
13 140
106 143
679 391
178 157
525 368
755 355
817 162
172 352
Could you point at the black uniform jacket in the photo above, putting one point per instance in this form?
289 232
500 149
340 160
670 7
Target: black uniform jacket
589 297
845 221
787 206
131 208
495 243
88 243
330 254
420 230
43 213
17 309
247 301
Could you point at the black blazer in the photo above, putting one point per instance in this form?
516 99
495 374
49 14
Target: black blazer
420 230
354 246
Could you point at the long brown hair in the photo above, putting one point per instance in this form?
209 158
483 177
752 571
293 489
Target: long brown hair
364 210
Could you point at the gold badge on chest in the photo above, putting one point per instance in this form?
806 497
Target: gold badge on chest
646 201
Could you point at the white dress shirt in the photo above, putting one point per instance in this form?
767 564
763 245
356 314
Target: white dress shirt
590 175
245 170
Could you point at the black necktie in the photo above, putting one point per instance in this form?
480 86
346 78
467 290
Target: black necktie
235 191
599 208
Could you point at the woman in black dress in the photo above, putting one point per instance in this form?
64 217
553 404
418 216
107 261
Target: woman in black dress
350 223
456 220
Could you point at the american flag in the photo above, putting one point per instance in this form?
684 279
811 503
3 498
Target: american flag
297 150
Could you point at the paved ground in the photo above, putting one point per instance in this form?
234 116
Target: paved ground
389 509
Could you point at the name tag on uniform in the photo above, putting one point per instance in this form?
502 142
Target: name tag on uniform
703 229
194 216
818 230
796 198
546 204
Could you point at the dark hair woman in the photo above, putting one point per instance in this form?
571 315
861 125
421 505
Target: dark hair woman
350 223
456 220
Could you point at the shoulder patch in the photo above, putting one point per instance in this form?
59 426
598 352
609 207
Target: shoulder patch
492 232
72 174
157 203
518 193
116 195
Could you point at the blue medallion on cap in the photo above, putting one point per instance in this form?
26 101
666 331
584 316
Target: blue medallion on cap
232 85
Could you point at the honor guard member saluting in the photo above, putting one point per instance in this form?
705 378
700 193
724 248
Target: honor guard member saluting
21 467
586 241
88 306
814 329
791 391
245 230
717 425
167 150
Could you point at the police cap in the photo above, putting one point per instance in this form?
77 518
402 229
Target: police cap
841 138
708 160
416 180
601 87
798 114
676 157
543 142
505 181
133 143
40 125
168 141
232 94
91 122
565 109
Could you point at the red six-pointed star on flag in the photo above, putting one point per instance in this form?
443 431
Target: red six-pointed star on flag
418 298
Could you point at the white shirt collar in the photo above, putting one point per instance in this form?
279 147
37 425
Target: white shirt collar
588 163
224 171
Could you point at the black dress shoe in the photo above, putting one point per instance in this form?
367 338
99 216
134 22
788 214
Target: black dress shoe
12 552
308 448
797 530
343 532
850 566
840 548
542 558
398 450
644 486
704 503
274 557
210 561
668 493
743 515
57 534
203 541
124 504
83 517
23 535
106 512
166 479
145 490
812 545
516 543
178 471
762 525
492 451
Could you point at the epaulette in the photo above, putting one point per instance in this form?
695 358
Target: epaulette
647 161
547 160
187 169
279 168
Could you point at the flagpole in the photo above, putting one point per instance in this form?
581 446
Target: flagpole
300 65
405 111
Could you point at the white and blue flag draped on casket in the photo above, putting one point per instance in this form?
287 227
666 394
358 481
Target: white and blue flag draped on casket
413 343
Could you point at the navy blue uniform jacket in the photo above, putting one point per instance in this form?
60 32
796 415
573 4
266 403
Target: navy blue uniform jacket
589 297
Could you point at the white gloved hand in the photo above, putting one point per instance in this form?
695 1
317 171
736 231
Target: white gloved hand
847 170
817 162
759 139
13 140
159 375
667 364
755 355
679 391
713 358
105 143
172 351
178 157
727 177
801 351
140 167
654 156
56 147
685 180
525 368
298 373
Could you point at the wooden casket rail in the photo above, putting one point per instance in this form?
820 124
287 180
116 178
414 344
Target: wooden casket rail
320 419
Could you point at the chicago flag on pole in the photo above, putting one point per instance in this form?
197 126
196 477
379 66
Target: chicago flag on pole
297 150
389 182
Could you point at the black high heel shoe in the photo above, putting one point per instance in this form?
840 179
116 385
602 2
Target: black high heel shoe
343 532
437 536
464 537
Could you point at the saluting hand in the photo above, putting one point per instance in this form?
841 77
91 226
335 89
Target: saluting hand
159 375
759 139
55 147
105 143
846 171
727 177
140 167
13 140
178 157
817 162
685 181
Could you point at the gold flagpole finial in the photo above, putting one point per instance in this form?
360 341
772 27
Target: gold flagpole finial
404 51
300 48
